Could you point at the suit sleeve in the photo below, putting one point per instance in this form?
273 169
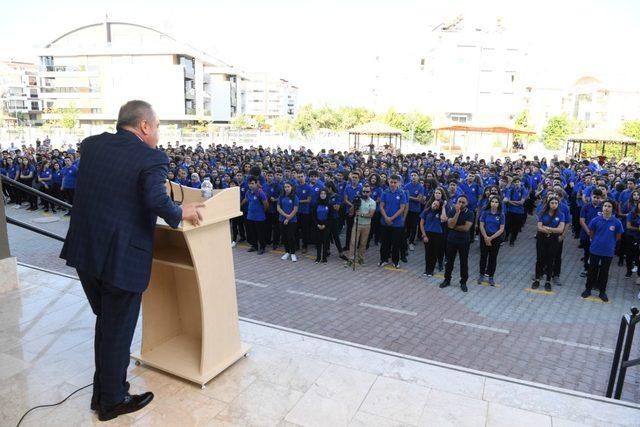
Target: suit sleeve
154 192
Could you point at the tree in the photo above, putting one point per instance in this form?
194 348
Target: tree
556 131
418 126
282 124
632 129
306 122
240 122
69 116
523 120
260 121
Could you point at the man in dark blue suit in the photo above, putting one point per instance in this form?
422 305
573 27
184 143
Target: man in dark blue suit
120 192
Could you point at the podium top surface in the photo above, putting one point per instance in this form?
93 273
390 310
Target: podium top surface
224 205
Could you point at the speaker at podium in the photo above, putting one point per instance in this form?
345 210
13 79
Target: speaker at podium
190 310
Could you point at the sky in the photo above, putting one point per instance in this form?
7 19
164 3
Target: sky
329 47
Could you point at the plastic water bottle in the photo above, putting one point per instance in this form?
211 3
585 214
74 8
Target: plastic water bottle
206 188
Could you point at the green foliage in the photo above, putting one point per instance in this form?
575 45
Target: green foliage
632 129
69 117
524 120
282 124
557 130
240 121
414 125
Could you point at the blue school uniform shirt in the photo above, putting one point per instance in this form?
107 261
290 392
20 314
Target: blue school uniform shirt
56 176
69 176
603 242
432 223
473 192
414 190
303 192
635 221
335 200
287 204
350 192
315 192
516 194
588 212
376 192
272 190
492 221
393 202
195 184
255 206
552 220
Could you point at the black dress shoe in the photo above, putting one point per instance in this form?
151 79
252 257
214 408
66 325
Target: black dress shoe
94 399
131 403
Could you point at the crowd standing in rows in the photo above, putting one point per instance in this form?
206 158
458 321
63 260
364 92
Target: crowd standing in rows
299 199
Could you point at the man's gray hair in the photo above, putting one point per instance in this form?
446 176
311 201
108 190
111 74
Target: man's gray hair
133 112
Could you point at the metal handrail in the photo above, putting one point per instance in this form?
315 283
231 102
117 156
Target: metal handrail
621 355
35 229
34 192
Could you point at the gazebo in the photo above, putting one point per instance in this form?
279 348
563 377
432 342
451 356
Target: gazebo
375 131
602 137
480 128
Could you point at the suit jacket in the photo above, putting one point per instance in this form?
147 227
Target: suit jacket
120 192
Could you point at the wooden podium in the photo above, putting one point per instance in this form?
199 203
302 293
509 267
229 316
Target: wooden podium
190 311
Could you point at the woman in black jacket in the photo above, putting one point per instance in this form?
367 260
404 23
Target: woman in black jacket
320 217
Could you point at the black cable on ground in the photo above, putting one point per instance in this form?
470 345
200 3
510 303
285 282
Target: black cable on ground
53 404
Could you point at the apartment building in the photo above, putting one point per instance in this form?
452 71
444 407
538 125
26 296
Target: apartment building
471 71
268 96
98 67
19 91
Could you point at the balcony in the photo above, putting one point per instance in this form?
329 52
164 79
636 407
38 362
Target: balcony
190 111
68 68
190 93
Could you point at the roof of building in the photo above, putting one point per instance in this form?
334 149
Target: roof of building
118 38
597 135
483 127
375 128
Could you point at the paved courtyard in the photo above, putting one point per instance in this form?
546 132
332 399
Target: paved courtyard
554 338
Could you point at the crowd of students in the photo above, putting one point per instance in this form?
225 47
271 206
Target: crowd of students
299 199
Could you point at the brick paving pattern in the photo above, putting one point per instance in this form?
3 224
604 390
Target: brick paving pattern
557 339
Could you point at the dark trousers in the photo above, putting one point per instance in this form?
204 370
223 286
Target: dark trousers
116 313
56 192
391 241
237 228
452 250
443 246
557 260
68 195
288 235
631 252
514 222
302 232
26 197
432 249
273 228
489 256
472 230
412 225
598 275
586 253
257 233
322 239
334 229
546 247
575 219
349 220
375 228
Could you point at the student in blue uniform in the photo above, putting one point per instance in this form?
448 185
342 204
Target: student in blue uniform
514 199
604 231
492 222
459 222
45 184
632 239
415 190
257 205
303 191
320 213
440 194
272 189
26 175
392 208
551 223
566 210
587 213
351 191
376 192
68 188
431 219
288 204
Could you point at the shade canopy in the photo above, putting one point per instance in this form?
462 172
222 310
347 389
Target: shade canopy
602 135
375 128
481 127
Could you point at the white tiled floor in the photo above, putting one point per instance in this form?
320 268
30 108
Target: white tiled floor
288 379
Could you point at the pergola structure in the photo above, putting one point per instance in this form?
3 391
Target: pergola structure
509 130
602 137
374 131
